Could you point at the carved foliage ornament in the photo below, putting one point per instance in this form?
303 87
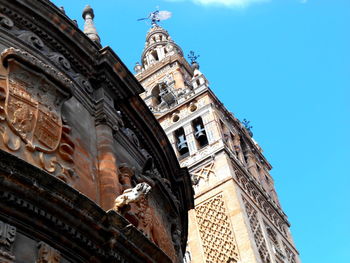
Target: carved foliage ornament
30 113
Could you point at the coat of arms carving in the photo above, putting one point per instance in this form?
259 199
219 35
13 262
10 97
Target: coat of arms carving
33 109
31 98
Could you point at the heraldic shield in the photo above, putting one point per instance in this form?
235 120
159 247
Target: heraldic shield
33 107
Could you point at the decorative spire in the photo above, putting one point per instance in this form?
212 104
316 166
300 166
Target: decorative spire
194 64
89 27
138 67
158 46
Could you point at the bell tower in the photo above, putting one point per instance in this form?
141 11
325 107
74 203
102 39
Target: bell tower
237 215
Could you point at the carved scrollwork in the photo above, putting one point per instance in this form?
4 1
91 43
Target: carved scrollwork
83 82
33 61
13 144
6 22
131 136
51 167
30 114
67 146
31 38
59 60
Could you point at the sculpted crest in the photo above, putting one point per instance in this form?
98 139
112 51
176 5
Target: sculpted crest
33 108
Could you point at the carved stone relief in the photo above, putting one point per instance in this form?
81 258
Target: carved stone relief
216 231
256 229
133 203
135 140
47 254
31 125
261 201
56 58
7 238
202 176
131 195
290 255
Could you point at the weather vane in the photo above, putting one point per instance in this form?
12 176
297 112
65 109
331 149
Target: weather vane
247 125
157 16
191 56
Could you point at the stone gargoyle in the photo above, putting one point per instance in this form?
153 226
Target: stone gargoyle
131 195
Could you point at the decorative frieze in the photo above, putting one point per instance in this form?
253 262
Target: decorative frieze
216 231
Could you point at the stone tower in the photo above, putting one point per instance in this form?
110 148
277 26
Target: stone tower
237 215
86 171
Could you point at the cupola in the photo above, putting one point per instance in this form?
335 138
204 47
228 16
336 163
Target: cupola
158 46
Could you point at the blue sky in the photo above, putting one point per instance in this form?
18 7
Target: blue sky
285 66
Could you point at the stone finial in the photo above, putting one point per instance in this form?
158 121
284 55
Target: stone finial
89 27
138 67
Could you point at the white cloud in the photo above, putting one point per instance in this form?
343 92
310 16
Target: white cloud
227 3
230 3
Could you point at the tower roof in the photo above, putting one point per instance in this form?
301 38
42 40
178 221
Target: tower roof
158 45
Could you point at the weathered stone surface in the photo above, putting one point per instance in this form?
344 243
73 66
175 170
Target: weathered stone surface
237 215
74 135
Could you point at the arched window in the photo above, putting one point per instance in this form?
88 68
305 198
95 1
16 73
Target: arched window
181 142
154 53
156 99
199 132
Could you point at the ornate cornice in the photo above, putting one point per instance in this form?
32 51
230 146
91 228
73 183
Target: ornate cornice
42 200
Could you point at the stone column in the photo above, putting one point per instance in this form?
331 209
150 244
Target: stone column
191 143
110 187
